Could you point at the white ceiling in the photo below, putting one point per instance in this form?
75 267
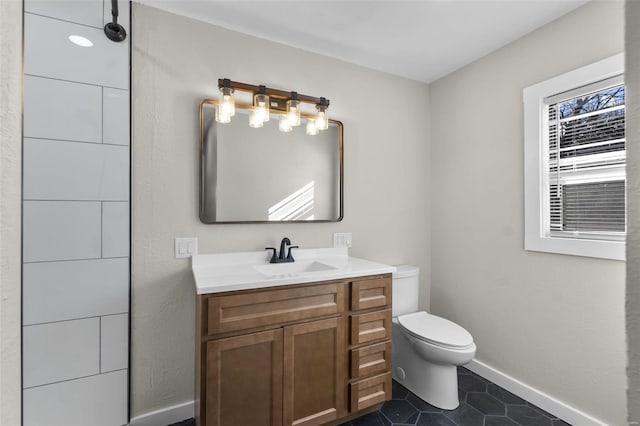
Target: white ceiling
421 40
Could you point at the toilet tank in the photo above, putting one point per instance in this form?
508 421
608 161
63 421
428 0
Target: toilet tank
404 290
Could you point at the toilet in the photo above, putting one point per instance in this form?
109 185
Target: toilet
426 348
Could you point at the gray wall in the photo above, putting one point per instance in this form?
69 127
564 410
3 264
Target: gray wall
386 177
10 170
632 45
554 322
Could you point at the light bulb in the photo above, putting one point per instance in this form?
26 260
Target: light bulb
293 111
222 115
285 125
261 104
255 119
312 127
322 121
227 107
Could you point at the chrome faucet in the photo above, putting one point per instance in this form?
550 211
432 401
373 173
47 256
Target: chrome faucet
282 258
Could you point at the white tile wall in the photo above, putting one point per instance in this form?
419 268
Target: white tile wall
114 337
87 12
115 113
52 54
115 229
78 289
60 170
60 351
93 401
55 230
62 110
76 216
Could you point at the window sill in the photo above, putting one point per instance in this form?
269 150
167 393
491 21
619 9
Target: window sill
614 250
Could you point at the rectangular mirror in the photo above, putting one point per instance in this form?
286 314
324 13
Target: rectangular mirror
263 175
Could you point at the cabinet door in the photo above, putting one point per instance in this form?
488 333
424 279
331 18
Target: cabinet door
314 372
244 380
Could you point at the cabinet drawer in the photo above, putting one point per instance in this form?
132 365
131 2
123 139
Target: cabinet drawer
370 327
368 392
273 307
371 293
370 360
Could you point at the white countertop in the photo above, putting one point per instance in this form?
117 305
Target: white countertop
215 273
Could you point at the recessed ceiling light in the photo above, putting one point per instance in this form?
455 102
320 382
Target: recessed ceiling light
80 41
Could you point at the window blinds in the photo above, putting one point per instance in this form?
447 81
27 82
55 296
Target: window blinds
586 161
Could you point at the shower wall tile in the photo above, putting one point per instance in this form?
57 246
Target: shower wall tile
86 12
114 335
60 351
115 110
62 110
50 53
115 229
60 170
60 230
97 401
58 291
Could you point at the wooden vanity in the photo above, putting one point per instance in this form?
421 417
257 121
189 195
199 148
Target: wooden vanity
302 354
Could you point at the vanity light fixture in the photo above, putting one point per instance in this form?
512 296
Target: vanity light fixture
322 121
267 101
227 107
293 110
260 112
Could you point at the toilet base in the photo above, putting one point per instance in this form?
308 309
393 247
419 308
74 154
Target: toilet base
433 382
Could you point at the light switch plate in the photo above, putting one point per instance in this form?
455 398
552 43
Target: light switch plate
186 247
342 239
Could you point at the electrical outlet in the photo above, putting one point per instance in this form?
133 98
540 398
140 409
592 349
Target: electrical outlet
342 239
186 247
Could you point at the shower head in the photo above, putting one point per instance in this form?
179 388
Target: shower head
113 30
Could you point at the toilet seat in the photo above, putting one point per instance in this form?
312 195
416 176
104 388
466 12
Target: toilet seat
435 330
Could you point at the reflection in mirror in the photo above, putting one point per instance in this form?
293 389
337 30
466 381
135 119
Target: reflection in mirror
261 175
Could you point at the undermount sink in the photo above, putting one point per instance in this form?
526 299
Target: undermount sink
298 267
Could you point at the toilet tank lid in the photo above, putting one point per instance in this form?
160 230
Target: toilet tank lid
405 271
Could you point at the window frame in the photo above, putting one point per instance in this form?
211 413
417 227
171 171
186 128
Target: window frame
535 238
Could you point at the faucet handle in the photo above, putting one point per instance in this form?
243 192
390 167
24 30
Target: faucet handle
274 257
289 256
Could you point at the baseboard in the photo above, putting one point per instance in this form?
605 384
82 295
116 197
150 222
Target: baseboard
165 416
534 396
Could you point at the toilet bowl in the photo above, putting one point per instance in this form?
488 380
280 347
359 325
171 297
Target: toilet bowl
426 348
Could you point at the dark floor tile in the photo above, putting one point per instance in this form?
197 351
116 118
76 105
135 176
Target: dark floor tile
470 383
398 410
373 419
462 395
462 370
398 391
540 410
485 403
504 395
413 419
466 415
527 416
434 419
558 422
422 405
499 421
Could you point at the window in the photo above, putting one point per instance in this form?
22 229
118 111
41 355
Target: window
575 162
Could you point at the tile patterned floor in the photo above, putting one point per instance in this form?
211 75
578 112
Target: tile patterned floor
482 403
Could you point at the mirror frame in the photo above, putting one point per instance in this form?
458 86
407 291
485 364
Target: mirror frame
203 180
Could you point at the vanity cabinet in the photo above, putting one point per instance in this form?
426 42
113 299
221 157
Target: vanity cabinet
304 354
